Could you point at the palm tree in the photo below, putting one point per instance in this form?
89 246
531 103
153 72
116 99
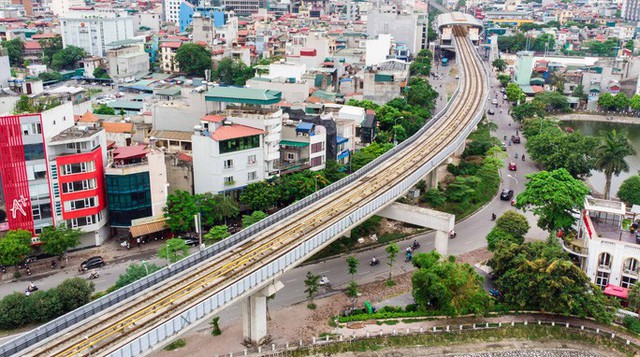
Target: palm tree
610 156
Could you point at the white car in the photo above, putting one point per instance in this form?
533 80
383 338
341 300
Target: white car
494 101
106 101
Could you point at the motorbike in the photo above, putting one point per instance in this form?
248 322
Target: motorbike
32 288
374 262
93 275
493 216
416 245
4 269
452 235
324 281
408 257
53 264
522 157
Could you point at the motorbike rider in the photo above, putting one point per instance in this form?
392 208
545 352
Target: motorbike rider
452 233
416 244
374 261
493 216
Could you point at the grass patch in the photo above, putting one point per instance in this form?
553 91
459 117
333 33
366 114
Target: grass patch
410 321
332 322
391 322
311 306
626 223
390 237
530 332
390 283
175 344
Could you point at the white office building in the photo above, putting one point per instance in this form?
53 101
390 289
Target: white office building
172 10
93 31
60 7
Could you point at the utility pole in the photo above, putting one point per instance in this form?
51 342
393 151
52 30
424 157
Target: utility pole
198 223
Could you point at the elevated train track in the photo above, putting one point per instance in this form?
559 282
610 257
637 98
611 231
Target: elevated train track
104 333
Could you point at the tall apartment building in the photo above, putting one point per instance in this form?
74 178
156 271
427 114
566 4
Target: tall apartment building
172 10
408 27
93 31
128 62
60 7
631 10
51 173
245 7
136 182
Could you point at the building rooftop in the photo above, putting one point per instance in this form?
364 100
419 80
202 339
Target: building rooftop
234 131
88 117
171 135
125 104
128 152
75 132
243 95
116 127
213 118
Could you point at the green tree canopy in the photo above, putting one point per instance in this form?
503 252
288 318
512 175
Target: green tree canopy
193 59
544 42
528 110
629 191
554 149
553 101
540 276
499 64
254 217
421 65
513 223
553 196
578 91
14 247
368 154
634 298
514 93
182 206
173 250
217 233
452 288
260 196
67 58
100 72
57 240
504 79
74 293
621 101
634 102
15 51
606 101
50 46
611 154
180 209
103 109
230 71
134 272
50 76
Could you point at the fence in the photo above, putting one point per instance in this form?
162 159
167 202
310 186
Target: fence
317 343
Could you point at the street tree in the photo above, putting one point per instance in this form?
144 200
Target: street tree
217 233
504 79
634 102
392 254
173 250
15 51
634 298
554 196
606 101
352 269
67 58
498 237
333 171
312 286
553 101
499 64
451 288
57 240
540 276
434 197
74 292
368 154
216 209
578 92
194 59
421 65
554 149
527 110
253 218
558 79
134 272
621 101
629 191
515 93
611 154
50 46
100 72
14 247
260 196
513 223
179 211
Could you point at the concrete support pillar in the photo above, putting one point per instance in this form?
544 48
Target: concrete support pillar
254 313
460 149
432 179
441 222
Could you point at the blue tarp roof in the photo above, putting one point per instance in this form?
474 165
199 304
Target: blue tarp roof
341 140
302 126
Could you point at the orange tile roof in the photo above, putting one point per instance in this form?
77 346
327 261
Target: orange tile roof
89 117
32 45
171 44
113 127
213 118
234 131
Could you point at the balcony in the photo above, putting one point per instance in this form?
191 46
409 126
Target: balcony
604 267
631 272
127 168
288 167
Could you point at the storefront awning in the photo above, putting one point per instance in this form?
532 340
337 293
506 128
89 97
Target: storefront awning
617 291
148 228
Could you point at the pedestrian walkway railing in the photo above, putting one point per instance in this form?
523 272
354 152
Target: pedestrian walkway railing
317 343
51 328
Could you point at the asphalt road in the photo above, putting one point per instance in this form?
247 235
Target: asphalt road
471 235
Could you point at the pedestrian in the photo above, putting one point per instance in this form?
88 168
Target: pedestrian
138 242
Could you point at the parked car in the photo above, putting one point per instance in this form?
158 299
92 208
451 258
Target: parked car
502 90
512 166
506 194
491 111
515 139
92 263
494 101
504 146
192 242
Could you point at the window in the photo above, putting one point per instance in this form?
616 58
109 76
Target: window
605 260
81 204
252 176
249 142
631 266
316 161
33 152
77 168
228 181
228 164
84 221
251 159
317 147
628 282
291 156
602 279
78 186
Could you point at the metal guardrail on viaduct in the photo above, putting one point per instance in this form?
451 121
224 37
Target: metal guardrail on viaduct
225 272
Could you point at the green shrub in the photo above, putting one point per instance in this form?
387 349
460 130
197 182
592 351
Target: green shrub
632 323
411 308
175 344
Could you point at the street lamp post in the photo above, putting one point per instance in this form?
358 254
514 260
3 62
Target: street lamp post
144 262
198 223
395 142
